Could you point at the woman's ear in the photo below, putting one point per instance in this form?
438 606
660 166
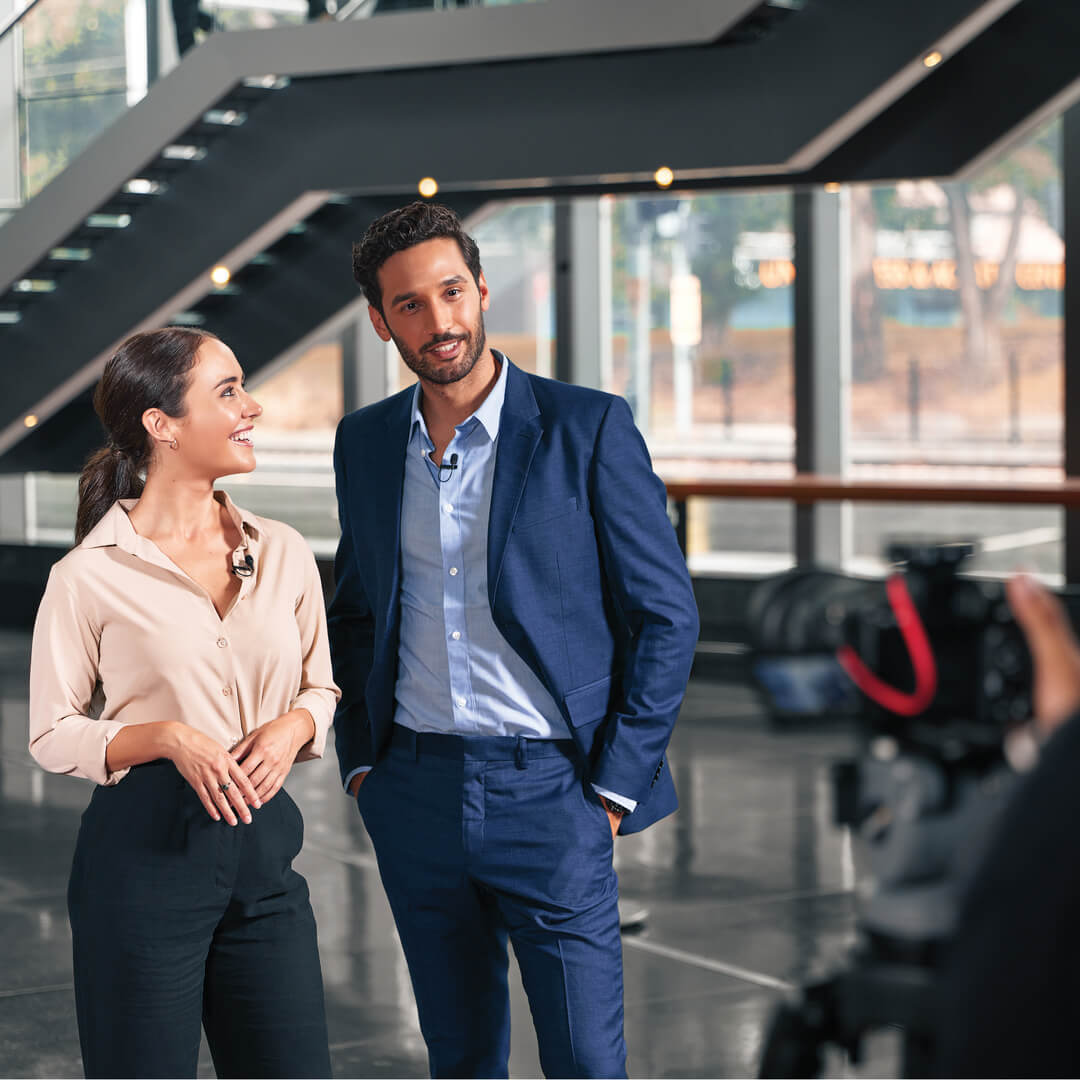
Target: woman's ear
158 426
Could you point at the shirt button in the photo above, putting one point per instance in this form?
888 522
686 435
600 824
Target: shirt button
456 635
221 643
448 507
227 691
461 702
453 571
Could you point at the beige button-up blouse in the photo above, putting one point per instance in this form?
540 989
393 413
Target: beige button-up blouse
124 636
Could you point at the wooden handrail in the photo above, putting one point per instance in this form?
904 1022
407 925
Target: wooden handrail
814 487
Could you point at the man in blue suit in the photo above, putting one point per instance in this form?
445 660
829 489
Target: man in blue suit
512 630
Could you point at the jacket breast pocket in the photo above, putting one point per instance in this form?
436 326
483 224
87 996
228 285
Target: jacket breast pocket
539 514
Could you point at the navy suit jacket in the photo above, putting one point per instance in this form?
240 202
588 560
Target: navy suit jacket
585 579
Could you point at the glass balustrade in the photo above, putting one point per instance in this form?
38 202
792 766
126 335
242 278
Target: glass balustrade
69 68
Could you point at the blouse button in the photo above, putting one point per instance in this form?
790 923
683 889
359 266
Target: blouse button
227 691
221 643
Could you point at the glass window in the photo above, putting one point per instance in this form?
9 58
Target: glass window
957 346
702 318
302 401
74 79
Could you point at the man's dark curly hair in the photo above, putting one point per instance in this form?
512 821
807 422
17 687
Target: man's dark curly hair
400 230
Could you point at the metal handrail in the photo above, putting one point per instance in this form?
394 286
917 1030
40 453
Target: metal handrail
17 17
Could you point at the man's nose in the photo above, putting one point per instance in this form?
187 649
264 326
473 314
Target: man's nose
441 319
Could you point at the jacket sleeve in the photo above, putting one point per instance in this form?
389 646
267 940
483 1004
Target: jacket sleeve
646 575
352 634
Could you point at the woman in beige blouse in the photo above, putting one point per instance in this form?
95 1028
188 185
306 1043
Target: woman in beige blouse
180 661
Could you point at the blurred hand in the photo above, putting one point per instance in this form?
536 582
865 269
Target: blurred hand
1054 651
355 782
615 819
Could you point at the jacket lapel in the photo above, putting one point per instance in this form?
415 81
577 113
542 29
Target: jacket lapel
520 429
386 521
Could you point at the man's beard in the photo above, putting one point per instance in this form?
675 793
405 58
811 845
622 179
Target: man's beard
443 374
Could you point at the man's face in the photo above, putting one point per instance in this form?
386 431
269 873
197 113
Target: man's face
433 310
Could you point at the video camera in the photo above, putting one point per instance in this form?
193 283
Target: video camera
825 643
933 670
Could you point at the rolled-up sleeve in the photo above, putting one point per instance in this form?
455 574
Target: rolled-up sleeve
64 738
318 692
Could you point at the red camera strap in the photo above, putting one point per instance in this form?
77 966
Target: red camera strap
919 652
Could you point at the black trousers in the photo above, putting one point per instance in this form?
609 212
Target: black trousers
180 921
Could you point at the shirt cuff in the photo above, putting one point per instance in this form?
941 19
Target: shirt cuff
622 800
322 714
355 772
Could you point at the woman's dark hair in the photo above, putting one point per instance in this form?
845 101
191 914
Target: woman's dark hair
400 230
149 371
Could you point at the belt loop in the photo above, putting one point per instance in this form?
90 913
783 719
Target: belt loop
520 754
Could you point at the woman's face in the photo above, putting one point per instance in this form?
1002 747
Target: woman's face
214 438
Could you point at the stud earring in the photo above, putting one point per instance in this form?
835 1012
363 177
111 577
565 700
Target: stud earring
174 445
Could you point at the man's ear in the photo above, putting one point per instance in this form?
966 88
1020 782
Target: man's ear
485 292
378 322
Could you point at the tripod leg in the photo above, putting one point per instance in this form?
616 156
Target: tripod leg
918 1056
792 1046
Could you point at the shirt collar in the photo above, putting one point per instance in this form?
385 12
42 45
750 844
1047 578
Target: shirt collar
115 528
488 412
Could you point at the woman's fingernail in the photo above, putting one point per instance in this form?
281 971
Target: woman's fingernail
258 803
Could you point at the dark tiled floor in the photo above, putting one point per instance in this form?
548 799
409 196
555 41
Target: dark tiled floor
748 888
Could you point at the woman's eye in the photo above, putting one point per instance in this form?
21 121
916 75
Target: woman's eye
228 391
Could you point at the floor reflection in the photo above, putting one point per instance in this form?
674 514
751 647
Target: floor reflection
748 888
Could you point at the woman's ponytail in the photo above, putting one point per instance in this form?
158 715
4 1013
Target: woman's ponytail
108 475
149 371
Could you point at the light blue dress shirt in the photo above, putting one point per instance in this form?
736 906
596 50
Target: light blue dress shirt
457 674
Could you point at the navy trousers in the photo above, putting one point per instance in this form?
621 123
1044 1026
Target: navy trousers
484 839
178 920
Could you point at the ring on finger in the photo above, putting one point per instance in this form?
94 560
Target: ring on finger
225 787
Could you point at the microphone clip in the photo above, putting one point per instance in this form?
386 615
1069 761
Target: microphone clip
244 569
450 466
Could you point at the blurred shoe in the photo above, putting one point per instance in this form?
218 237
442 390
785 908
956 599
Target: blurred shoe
632 916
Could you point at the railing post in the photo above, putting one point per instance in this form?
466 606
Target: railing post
1014 396
913 398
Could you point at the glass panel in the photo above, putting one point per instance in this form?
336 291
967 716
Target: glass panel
702 318
74 80
82 63
739 536
245 15
516 242
957 306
